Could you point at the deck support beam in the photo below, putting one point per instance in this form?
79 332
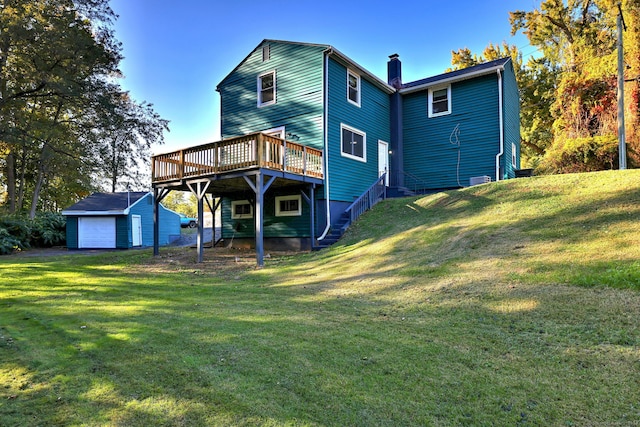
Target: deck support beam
200 190
259 187
158 195
310 199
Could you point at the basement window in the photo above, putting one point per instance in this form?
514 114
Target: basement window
439 101
241 209
288 206
267 89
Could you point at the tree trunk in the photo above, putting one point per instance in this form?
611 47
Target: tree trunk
11 181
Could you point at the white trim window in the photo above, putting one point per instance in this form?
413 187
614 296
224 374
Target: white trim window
353 88
439 101
353 143
514 154
267 88
277 132
241 209
289 205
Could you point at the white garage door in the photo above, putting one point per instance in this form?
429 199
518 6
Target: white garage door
97 232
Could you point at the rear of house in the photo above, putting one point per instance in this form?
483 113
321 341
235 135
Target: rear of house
306 132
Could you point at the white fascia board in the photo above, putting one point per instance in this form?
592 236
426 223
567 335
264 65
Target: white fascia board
453 79
361 70
95 213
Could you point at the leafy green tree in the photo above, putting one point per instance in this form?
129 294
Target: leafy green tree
61 106
578 43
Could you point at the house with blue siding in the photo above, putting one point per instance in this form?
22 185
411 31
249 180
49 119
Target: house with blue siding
122 220
310 139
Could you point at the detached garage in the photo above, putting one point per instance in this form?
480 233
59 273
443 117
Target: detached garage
118 221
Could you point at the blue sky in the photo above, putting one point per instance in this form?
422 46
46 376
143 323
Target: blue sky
176 52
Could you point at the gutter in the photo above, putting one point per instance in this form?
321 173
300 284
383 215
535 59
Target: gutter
501 119
325 136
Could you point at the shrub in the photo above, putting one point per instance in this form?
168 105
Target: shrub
587 154
18 232
48 229
8 243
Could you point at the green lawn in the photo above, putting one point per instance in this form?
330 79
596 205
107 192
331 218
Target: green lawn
513 303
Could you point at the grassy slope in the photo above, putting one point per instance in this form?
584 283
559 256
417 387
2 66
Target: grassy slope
507 303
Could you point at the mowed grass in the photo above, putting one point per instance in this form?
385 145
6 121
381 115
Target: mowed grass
512 303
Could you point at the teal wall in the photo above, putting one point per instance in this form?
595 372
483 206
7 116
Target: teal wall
274 226
511 108
429 153
72 232
169 223
298 93
349 178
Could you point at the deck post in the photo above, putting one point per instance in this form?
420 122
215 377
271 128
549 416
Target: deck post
310 199
259 220
158 195
156 224
200 192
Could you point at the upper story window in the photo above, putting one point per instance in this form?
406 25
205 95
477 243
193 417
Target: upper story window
353 88
266 52
267 89
354 143
439 101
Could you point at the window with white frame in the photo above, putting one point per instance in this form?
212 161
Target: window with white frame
353 142
514 155
439 101
288 205
267 89
353 88
241 209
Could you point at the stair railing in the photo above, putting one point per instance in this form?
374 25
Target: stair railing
374 194
409 181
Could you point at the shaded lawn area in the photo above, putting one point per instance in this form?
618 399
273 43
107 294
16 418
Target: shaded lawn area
122 339
514 303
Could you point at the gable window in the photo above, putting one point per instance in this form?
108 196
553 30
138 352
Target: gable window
267 89
353 88
288 206
241 209
266 52
354 143
439 101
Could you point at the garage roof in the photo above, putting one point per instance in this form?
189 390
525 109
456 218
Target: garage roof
106 203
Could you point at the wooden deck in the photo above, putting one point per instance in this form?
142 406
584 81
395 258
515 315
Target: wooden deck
237 154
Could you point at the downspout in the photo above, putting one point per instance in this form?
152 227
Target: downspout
501 120
325 119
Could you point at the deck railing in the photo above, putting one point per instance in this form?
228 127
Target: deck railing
245 152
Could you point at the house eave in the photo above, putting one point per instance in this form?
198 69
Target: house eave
345 60
452 79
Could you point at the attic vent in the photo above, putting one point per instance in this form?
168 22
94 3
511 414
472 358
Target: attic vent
266 52
476 180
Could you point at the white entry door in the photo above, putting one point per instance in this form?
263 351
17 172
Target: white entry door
97 232
383 160
136 230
